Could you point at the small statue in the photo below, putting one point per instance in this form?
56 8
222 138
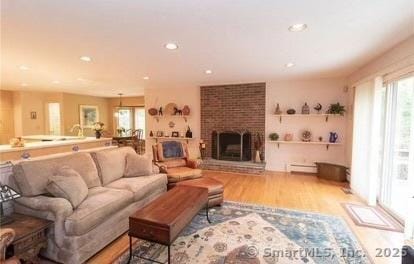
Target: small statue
278 111
178 111
160 111
318 108
305 109
189 133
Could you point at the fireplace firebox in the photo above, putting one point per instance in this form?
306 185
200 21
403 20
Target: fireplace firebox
232 145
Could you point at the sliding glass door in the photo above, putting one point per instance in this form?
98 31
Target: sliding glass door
397 150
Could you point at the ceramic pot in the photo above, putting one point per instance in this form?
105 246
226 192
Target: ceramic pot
288 137
98 134
257 157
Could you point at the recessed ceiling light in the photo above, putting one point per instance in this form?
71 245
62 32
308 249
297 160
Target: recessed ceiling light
145 78
23 67
56 82
171 46
297 27
80 79
85 58
289 65
208 71
23 84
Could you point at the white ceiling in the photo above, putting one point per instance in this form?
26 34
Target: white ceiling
239 40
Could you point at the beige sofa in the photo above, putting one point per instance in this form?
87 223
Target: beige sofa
80 233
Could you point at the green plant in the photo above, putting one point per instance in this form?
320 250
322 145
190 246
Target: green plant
336 109
98 126
274 136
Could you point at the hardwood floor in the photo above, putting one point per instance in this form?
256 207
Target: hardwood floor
293 191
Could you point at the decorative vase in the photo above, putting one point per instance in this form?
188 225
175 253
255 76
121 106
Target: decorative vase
98 134
305 109
288 137
262 156
257 157
278 111
333 137
151 134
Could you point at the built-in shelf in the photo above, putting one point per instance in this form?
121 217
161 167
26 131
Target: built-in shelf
326 116
172 138
327 144
185 117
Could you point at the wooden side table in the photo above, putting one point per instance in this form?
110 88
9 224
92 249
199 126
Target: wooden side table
30 237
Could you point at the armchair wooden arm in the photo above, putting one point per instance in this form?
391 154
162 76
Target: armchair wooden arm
6 238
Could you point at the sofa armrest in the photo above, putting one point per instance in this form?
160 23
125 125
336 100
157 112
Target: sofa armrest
155 169
50 208
194 163
59 207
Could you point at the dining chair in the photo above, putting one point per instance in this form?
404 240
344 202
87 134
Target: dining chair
138 141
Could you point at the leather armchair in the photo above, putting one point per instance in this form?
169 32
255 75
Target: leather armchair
6 237
178 168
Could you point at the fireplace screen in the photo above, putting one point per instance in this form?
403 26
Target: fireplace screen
233 146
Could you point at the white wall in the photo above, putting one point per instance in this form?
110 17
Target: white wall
156 97
398 57
293 94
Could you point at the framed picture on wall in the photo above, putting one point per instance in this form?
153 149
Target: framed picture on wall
88 115
33 115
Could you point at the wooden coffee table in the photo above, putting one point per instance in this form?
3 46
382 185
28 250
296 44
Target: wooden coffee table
162 220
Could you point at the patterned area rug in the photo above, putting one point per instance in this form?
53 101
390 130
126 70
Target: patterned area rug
245 233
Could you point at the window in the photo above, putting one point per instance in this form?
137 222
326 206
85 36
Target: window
130 118
53 124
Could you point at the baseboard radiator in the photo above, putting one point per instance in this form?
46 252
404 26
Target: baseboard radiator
301 167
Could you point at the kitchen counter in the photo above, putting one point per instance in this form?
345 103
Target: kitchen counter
41 148
50 138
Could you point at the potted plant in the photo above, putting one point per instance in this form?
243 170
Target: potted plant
273 136
98 127
120 131
258 145
336 109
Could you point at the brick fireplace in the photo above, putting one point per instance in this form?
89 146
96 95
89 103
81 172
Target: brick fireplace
232 114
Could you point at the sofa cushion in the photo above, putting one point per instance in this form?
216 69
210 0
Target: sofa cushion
182 173
32 176
141 186
137 165
68 184
100 204
174 163
111 163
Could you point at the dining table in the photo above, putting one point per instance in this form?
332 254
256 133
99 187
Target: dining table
123 139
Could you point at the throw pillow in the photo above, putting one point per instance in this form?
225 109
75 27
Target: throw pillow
68 184
137 165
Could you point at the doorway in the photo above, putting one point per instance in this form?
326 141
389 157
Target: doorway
397 150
